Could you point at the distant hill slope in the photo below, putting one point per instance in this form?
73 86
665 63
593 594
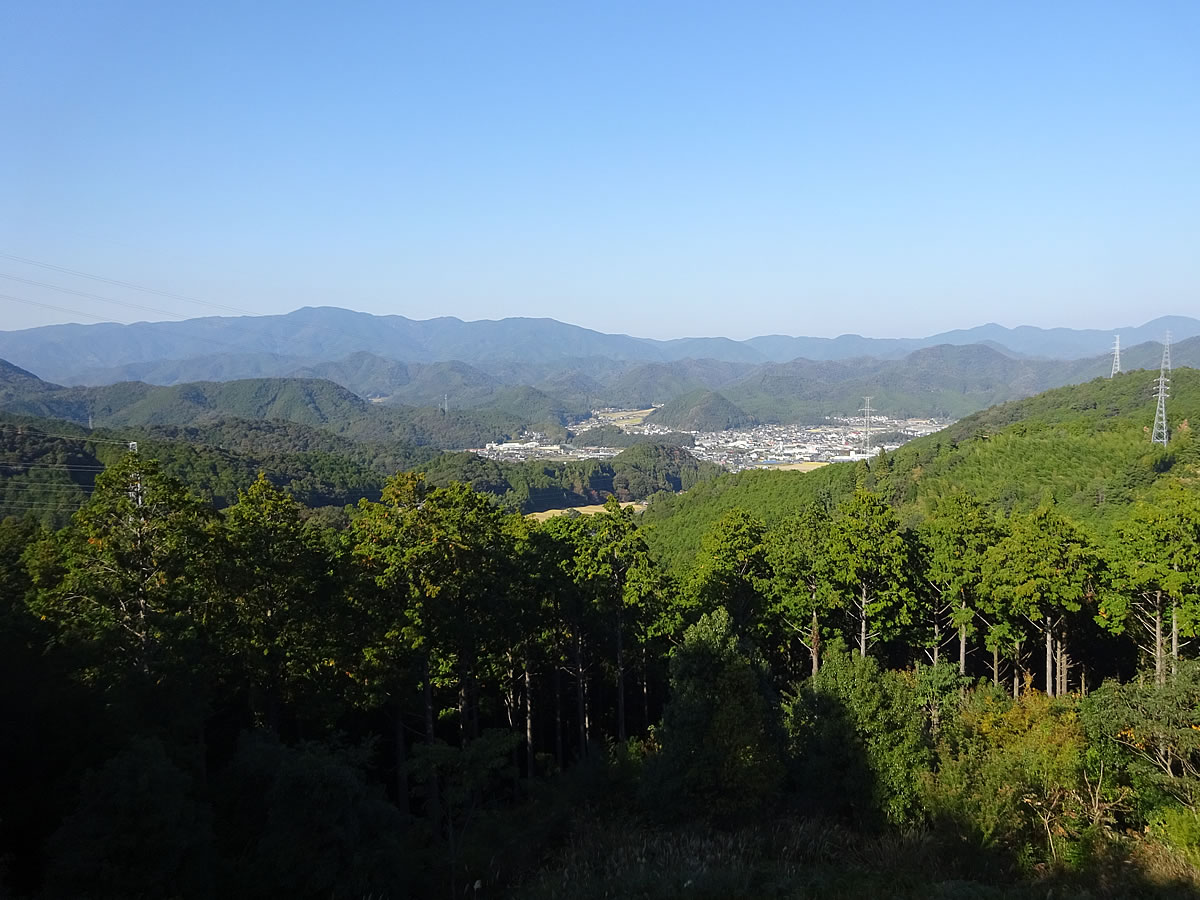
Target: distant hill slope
278 345
700 411
1085 447
946 380
306 401
16 383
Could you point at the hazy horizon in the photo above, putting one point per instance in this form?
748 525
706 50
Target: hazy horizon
686 170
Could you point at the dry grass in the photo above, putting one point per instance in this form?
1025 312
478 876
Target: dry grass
585 510
625 416
800 466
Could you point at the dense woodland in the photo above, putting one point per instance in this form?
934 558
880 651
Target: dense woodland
967 669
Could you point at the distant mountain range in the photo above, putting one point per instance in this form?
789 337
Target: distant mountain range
707 395
524 372
226 348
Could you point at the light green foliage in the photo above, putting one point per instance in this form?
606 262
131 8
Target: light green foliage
269 619
955 541
733 572
132 577
440 559
1011 775
1156 727
871 563
1043 571
800 594
720 759
1157 570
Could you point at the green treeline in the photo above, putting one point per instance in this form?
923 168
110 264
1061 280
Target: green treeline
442 698
635 473
1085 449
52 476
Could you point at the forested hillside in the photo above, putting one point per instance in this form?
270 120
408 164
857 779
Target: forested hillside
951 672
1085 448
48 467
700 411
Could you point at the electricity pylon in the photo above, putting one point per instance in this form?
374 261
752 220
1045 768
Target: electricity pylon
1116 368
867 409
1159 434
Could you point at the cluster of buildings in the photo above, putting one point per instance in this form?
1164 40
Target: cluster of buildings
764 446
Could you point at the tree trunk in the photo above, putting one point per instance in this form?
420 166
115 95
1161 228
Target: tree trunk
529 761
558 719
435 797
1174 637
462 713
937 639
579 699
1018 671
645 687
401 761
620 681
1062 667
1049 658
996 666
815 641
1160 661
862 619
962 644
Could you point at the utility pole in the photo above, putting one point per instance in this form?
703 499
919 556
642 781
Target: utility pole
1116 366
136 490
1160 434
867 410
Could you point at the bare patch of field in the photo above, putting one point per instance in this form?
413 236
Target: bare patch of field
800 466
625 416
585 510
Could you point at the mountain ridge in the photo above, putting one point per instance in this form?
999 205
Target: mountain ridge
313 335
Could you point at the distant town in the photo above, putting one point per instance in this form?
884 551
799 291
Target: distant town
838 439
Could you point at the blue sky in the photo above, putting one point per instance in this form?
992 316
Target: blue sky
661 169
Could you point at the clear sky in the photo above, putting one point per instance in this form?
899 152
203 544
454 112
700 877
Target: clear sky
661 169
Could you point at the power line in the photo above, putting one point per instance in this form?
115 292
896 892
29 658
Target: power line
7 482
107 320
100 297
74 312
30 506
68 467
126 284
65 437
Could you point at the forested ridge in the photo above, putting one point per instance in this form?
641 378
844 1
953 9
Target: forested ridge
48 471
918 677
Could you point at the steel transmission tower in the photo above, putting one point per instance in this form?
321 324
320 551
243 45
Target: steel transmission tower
1116 369
867 410
1159 434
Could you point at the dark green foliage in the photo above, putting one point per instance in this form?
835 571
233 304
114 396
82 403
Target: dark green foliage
612 436
634 474
859 736
138 831
450 699
700 411
720 759
306 822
